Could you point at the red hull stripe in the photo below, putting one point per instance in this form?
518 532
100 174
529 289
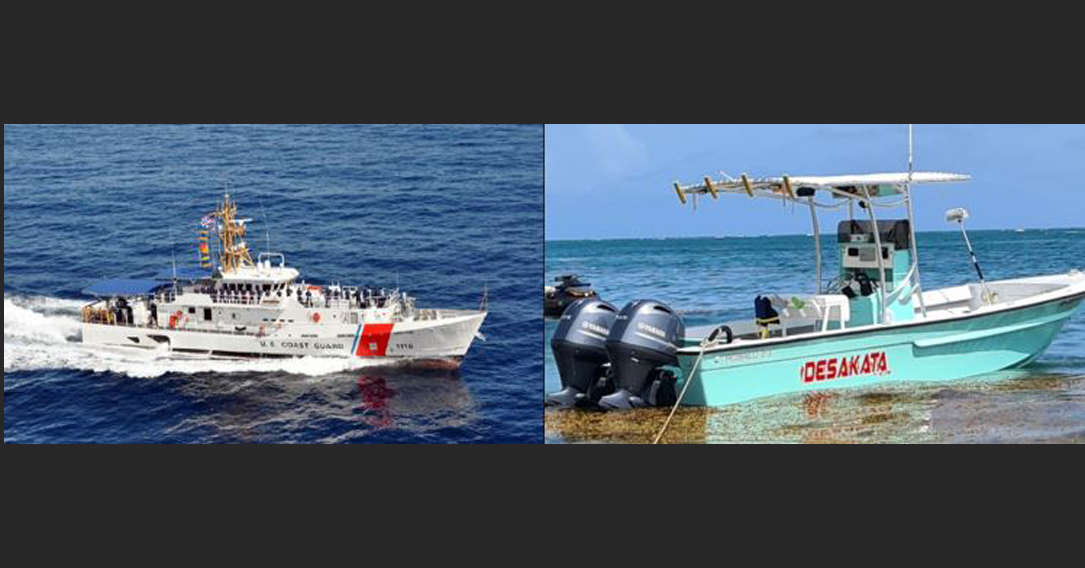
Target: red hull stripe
374 340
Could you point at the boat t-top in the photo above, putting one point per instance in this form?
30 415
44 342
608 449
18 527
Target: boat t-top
869 322
240 307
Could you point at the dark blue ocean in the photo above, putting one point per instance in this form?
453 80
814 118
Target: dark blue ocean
713 280
445 211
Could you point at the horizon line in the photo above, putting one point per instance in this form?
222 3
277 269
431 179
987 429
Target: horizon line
694 237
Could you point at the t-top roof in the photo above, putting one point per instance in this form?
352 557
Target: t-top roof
124 287
878 179
786 185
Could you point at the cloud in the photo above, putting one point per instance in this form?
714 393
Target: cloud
616 149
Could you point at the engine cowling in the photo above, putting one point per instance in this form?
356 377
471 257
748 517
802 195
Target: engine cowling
645 338
579 347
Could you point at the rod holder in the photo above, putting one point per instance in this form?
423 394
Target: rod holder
711 187
788 188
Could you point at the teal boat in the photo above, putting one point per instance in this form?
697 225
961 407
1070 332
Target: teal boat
868 323
871 322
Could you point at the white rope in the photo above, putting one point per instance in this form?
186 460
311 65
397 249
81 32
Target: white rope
833 207
708 342
685 387
786 198
889 205
847 199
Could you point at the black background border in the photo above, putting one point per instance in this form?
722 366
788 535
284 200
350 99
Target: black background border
515 504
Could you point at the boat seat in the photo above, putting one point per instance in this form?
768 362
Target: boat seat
747 330
824 308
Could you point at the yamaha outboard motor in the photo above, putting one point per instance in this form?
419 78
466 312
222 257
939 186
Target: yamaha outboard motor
645 338
580 350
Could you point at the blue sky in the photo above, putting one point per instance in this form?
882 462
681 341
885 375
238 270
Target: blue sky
614 180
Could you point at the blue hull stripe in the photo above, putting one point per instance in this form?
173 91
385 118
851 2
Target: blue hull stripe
357 335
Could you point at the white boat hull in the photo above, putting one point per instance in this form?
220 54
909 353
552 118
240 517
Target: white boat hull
447 338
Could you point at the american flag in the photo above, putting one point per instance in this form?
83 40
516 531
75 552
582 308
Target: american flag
207 222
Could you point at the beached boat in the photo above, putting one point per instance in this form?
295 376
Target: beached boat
871 323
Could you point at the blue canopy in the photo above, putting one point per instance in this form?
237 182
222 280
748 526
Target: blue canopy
184 274
124 287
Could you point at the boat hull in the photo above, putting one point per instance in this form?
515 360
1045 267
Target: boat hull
447 339
929 351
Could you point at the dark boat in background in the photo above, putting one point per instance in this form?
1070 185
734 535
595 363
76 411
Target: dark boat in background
569 289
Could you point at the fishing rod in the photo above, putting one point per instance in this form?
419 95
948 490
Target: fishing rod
959 216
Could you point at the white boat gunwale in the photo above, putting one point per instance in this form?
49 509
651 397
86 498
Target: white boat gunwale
1070 293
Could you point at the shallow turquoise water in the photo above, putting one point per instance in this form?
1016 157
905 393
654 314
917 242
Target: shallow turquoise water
715 280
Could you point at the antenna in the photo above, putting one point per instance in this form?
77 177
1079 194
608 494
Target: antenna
173 255
267 228
911 151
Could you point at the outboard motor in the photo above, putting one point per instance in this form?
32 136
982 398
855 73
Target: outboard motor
580 350
645 338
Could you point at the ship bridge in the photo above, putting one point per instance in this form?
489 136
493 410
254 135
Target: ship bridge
262 272
257 280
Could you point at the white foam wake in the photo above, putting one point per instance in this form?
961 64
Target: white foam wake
42 333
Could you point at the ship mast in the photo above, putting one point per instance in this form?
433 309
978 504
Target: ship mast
235 252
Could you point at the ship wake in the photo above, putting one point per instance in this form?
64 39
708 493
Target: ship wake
42 333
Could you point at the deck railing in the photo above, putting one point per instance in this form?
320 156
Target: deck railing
246 332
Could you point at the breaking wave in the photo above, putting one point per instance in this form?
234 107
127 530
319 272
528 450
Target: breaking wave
42 333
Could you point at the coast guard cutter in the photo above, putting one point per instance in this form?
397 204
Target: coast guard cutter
258 308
